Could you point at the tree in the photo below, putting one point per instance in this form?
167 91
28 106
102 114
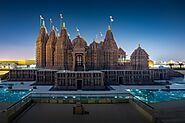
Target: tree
171 65
181 64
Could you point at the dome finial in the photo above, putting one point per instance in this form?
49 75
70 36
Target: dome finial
53 27
96 39
139 45
111 20
63 24
43 23
109 27
41 20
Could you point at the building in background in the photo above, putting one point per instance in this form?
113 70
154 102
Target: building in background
12 64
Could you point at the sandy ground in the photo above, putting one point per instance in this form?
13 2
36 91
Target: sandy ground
98 113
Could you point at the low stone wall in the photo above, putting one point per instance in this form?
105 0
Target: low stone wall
83 101
66 79
115 77
146 110
8 115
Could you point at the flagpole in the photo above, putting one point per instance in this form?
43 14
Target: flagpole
51 22
57 31
61 20
111 20
78 31
41 19
101 36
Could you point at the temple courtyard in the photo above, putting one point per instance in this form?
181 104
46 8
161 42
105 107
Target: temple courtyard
98 113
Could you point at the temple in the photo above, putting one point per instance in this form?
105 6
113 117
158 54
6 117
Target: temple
61 53
73 64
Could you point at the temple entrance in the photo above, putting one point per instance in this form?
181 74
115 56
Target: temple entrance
79 84
79 65
161 76
120 80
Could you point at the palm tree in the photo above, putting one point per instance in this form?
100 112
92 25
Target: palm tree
171 65
181 64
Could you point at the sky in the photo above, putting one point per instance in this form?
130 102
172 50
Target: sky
157 25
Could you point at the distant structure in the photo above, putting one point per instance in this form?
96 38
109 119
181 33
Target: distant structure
60 53
13 64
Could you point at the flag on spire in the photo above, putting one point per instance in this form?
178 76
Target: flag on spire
78 31
101 37
111 19
96 39
50 22
57 31
68 34
61 16
41 20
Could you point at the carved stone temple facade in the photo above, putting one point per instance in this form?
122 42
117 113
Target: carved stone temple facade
73 64
60 53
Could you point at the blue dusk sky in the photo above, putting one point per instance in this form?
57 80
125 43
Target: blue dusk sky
158 25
